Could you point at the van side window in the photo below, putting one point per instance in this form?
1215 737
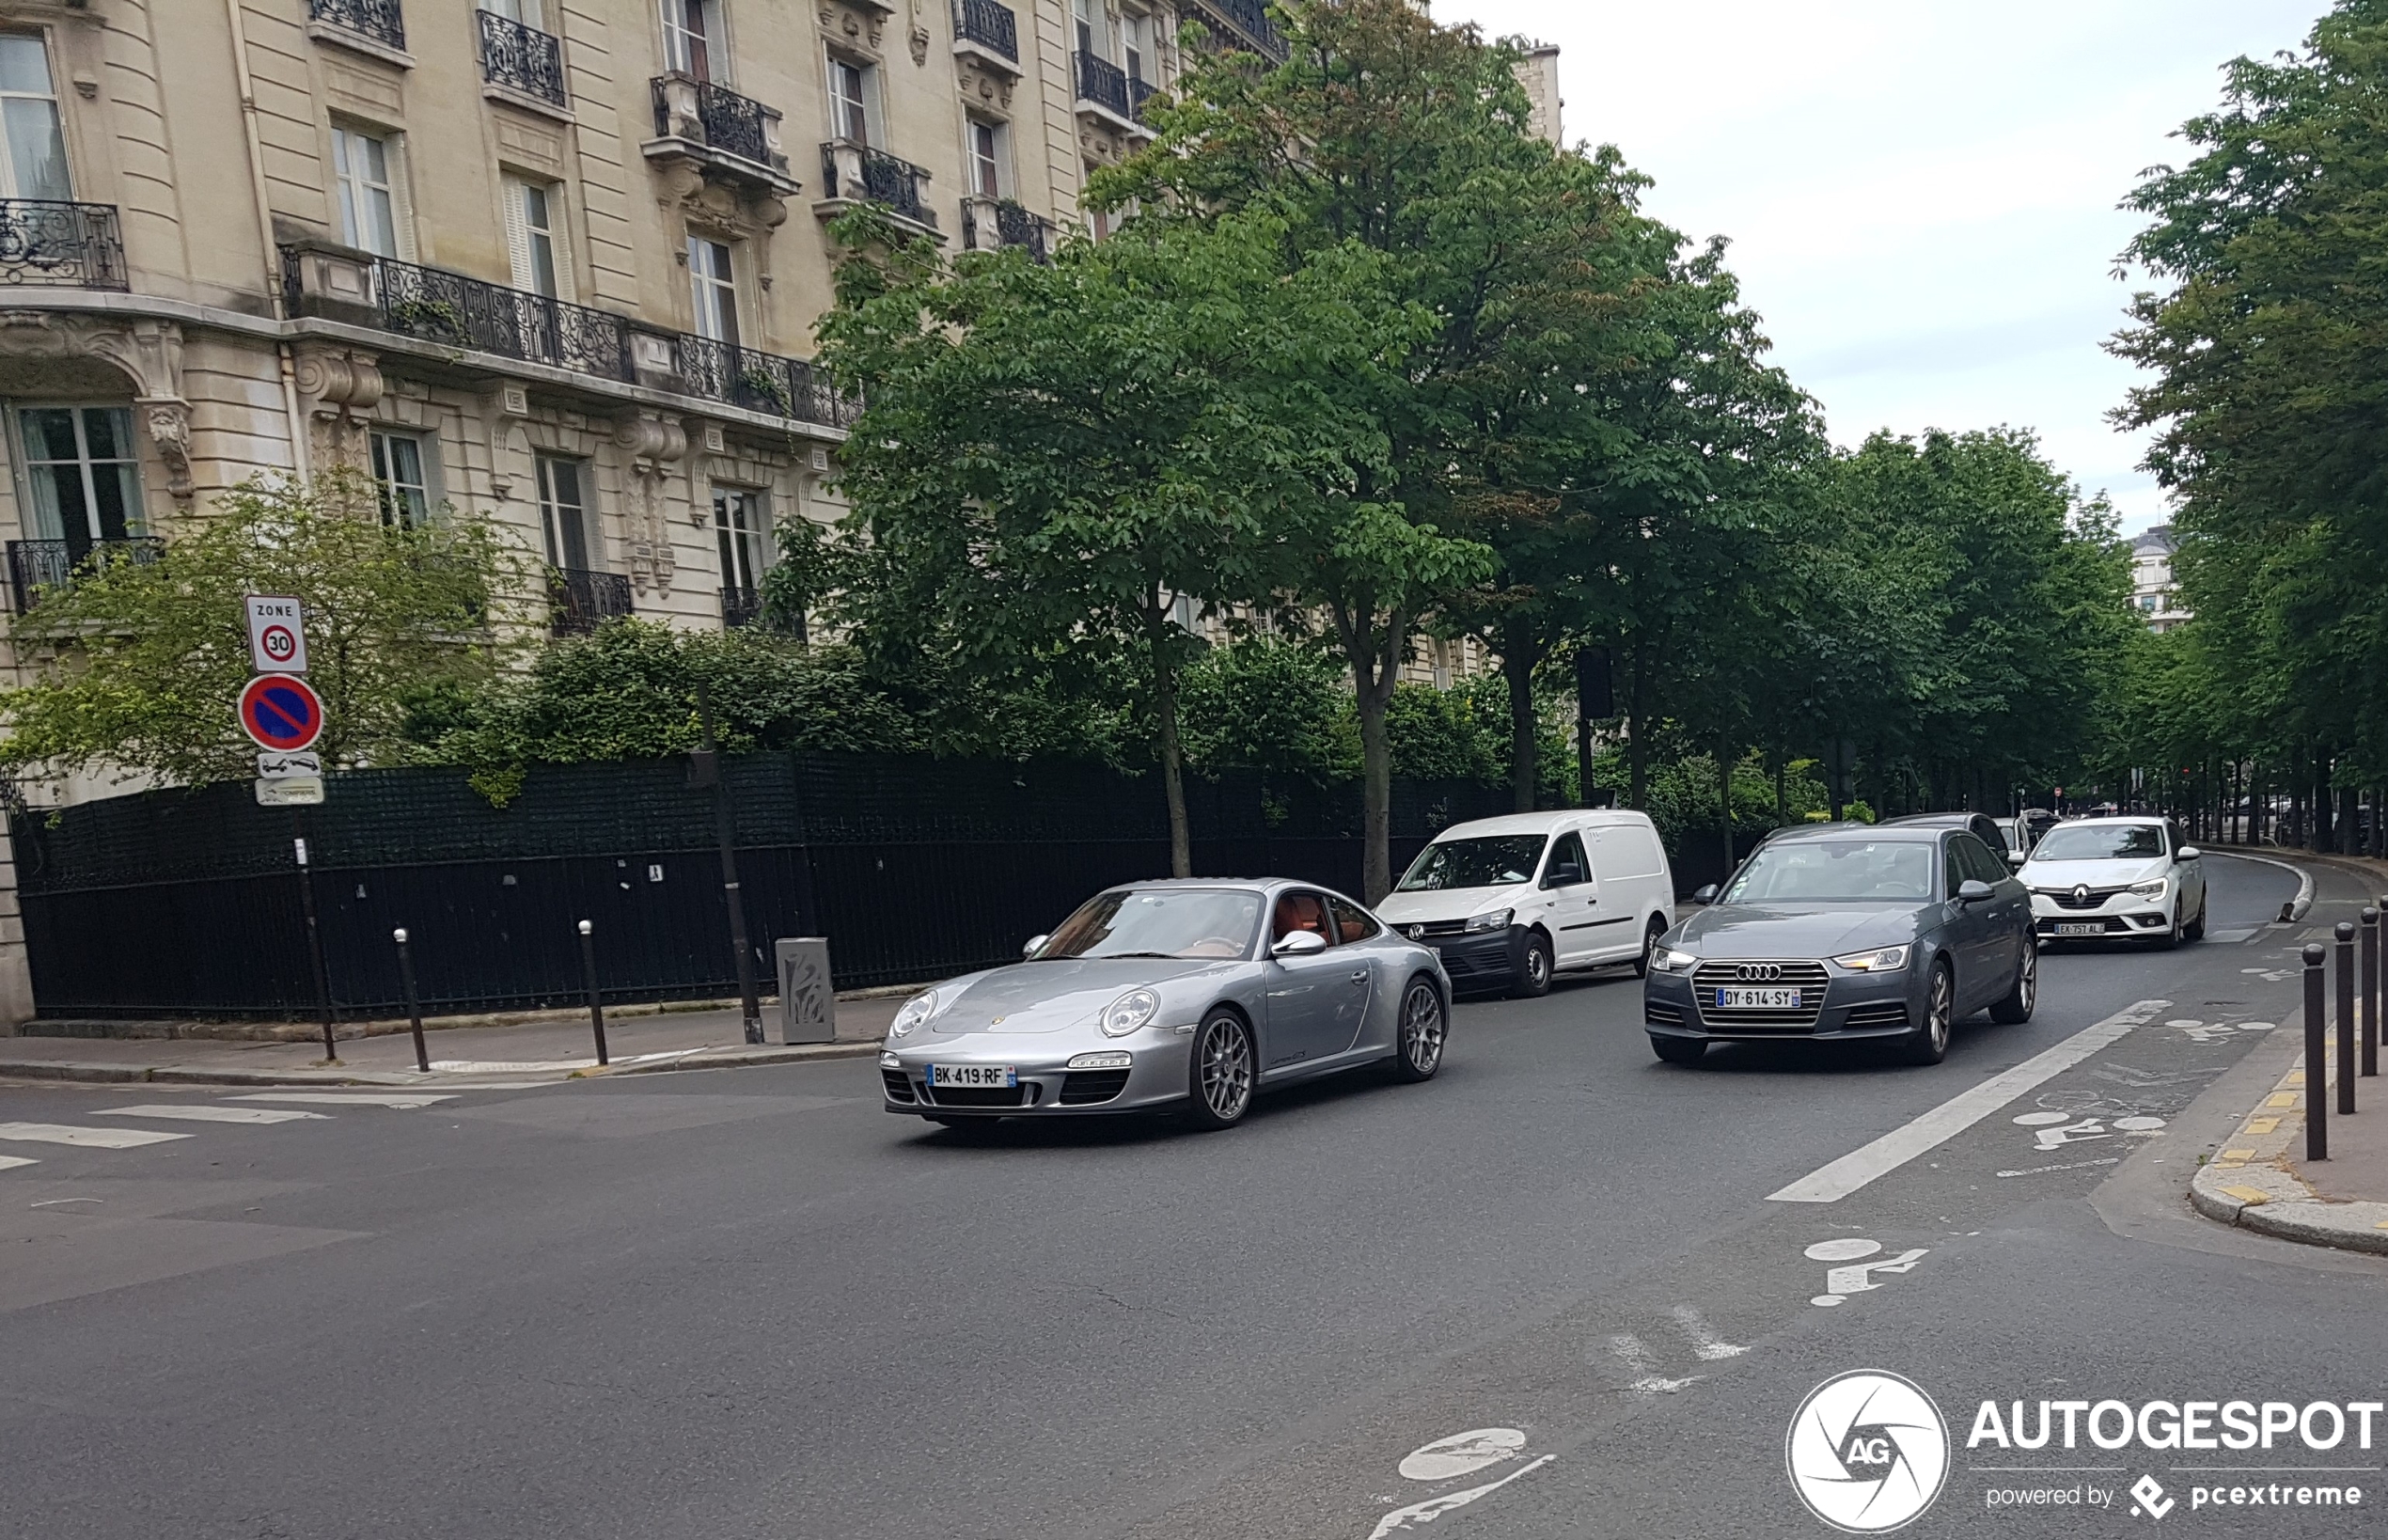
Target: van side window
1567 850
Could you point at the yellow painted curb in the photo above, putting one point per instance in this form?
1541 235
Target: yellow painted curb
2285 1098
2239 1155
2262 1125
2252 1195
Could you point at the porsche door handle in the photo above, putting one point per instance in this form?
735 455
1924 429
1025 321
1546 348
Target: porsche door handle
1361 976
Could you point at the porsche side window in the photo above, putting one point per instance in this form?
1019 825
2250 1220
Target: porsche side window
1302 912
1353 923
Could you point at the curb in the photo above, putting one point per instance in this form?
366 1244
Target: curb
2296 908
2250 1184
87 1073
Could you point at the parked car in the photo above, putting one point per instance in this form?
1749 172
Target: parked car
1507 901
1192 996
2008 837
1840 932
2120 877
2036 823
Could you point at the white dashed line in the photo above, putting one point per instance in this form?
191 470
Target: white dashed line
210 1114
96 1138
402 1100
7 1161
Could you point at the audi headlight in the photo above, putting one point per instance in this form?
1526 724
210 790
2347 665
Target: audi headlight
1666 961
1888 960
1130 1011
917 1009
2154 888
1496 921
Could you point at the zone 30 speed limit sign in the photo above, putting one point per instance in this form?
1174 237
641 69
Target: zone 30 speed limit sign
277 643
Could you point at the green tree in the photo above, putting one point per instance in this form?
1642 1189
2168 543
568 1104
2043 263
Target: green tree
1276 706
137 663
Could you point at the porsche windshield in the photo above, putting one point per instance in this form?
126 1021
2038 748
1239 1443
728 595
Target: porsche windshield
1856 870
1499 861
1197 922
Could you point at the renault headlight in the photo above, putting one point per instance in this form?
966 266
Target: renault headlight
917 1009
1130 1012
1888 960
1496 921
1668 960
2153 889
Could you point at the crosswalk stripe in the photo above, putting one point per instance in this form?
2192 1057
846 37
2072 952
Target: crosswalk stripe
98 1138
401 1100
210 1114
7 1161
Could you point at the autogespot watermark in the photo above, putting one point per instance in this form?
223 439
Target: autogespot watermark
1869 1453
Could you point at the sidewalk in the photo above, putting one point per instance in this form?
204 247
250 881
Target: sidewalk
2259 1179
553 1050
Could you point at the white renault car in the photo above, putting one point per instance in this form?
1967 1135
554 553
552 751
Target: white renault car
1508 900
2117 877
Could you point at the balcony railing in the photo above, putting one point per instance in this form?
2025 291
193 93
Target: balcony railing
378 21
64 245
740 606
579 600
1139 93
719 118
993 224
989 24
1239 23
455 311
1102 83
34 565
851 170
523 58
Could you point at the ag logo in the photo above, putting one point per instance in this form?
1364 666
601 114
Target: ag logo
1867 1452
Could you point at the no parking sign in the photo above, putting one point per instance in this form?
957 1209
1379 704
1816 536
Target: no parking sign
281 712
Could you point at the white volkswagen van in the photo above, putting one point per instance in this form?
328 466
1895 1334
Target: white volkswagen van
1508 901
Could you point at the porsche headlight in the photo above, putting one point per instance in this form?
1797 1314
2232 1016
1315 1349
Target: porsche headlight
2154 888
917 1009
1888 960
1668 960
1496 921
1130 1011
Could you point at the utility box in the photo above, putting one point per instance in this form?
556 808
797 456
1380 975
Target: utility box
808 1003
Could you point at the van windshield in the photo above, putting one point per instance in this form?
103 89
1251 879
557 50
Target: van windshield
1496 861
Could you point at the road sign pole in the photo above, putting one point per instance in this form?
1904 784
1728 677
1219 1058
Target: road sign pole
414 1001
314 938
726 830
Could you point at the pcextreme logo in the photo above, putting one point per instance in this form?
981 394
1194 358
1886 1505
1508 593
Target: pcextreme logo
1867 1452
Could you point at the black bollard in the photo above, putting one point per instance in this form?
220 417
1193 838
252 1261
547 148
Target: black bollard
413 1006
2316 1057
589 971
2371 992
2346 933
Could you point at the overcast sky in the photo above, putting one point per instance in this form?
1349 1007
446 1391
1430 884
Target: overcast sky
1921 194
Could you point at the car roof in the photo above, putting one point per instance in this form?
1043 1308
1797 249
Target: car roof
1937 821
2119 818
1541 823
1814 832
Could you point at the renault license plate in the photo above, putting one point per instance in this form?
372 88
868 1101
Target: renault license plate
974 1077
2096 928
1757 1000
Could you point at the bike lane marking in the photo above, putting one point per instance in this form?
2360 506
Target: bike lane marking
1835 1181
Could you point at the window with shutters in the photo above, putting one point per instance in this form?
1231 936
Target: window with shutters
712 281
535 237
1136 36
563 511
1094 35
367 170
692 40
35 165
990 154
400 479
738 525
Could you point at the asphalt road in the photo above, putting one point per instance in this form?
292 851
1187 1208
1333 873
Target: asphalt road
749 1303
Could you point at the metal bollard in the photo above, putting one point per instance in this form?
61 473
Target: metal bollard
413 1006
2316 1057
2346 933
2371 992
589 971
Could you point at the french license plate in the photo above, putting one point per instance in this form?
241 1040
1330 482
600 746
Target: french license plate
2064 929
974 1077
1757 1000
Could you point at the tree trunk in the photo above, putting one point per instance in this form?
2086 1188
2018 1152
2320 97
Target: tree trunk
1724 800
1838 773
1518 656
1637 752
1374 654
1782 787
1172 758
2350 822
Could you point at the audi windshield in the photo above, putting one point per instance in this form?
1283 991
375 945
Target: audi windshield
1836 871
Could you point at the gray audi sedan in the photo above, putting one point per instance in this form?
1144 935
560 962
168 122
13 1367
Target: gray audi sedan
1845 932
1188 995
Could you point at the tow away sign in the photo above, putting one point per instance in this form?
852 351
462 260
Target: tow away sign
277 643
273 765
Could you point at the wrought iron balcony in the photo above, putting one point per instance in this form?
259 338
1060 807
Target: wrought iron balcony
523 58
579 600
1139 93
758 382
34 565
740 607
992 224
1238 24
852 171
377 21
1104 84
689 111
60 245
988 24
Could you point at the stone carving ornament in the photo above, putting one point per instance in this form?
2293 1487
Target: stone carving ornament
147 352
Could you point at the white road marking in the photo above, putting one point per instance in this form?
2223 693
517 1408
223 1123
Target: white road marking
96 1138
1858 1277
1831 1184
543 1066
1702 1338
2072 1133
1462 1453
2233 937
2139 1125
209 1114
1647 1380
2069 1166
1842 1250
405 1101
2039 1120
7 1161
1434 1508
2257 1026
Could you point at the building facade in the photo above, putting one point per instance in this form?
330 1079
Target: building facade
2154 597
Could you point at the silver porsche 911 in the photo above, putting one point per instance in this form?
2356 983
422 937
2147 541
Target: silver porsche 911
1191 995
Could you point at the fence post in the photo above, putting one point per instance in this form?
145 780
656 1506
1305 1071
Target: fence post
707 763
588 974
315 943
2316 1057
2346 935
2371 992
413 1006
